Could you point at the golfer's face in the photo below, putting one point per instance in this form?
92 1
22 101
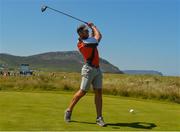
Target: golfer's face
85 34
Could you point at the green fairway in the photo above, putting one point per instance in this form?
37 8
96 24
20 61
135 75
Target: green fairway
45 111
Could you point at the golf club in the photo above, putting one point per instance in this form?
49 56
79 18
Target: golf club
43 8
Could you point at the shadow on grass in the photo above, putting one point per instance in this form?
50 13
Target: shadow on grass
141 125
83 122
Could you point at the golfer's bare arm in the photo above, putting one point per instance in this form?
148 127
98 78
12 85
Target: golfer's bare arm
95 32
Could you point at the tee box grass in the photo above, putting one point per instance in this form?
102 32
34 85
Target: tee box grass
29 111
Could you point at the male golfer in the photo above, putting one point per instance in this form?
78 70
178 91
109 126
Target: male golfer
91 73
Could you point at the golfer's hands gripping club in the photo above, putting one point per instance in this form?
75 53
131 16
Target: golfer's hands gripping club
90 24
95 32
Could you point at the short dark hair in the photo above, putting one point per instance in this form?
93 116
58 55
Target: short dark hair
81 28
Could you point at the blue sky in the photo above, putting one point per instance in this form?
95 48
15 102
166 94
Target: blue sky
137 34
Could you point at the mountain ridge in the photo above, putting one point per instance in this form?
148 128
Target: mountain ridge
54 61
142 72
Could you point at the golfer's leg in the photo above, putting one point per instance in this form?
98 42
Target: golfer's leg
97 85
75 99
98 101
85 83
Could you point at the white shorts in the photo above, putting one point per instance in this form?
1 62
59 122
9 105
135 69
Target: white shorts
91 75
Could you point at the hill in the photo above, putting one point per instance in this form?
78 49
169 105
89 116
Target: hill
150 72
69 61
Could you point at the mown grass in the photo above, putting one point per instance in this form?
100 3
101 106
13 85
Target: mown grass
44 111
141 86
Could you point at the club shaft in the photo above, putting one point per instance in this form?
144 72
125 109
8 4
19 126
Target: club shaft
67 15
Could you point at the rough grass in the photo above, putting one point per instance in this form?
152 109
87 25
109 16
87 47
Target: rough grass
141 86
144 86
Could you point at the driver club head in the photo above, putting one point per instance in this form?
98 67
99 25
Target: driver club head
43 8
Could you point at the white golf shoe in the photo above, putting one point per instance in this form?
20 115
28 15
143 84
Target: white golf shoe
100 121
67 116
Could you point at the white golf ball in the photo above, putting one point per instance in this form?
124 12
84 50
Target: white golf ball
131 110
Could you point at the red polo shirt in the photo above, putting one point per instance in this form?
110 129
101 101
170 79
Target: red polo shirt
85 47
